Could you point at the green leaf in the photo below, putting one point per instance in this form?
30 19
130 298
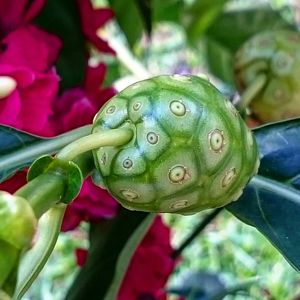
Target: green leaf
70 171
201 15
231 29
19 149
107 241
144 7
126 256
129 18
271 201
62 19
167 10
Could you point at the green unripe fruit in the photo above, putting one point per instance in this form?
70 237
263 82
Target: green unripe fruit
277 55
190 148
18 222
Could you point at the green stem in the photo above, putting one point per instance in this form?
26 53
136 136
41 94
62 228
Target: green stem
45 146
113 137
251 91
34 260
43 192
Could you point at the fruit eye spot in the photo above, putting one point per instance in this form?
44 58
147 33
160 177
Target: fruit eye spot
110 110
152 138
177 108
216 140
178 174
229 176
129 195
127 163
179 204
136 106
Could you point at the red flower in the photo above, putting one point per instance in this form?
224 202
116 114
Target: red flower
91 20
149 268
30 47
77 107
28 105
14 183
14 13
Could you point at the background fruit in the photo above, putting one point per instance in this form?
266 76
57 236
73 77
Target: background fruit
277 55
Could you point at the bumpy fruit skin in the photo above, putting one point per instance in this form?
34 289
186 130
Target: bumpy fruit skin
190 151
277 55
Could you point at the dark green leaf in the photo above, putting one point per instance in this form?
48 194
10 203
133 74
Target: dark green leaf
107 241
62 19
271 201
19 149
167 10
144 7
230 30
126 256
13 155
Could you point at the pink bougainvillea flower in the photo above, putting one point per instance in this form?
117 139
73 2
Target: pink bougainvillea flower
91 20
31 47
77 107
28 105
149 268
92 205
14 13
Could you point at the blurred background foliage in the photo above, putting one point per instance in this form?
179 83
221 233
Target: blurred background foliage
192 36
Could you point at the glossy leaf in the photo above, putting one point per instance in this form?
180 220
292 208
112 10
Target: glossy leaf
271 201
62 19
107 241
19 149
13 142
231 30
126 256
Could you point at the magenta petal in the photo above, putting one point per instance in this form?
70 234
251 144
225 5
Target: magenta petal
37 102
33 9
91 20
94 78
81 256
30 47
10 108
11 12
71 220
102 16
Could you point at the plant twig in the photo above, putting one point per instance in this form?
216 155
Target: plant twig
200 227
